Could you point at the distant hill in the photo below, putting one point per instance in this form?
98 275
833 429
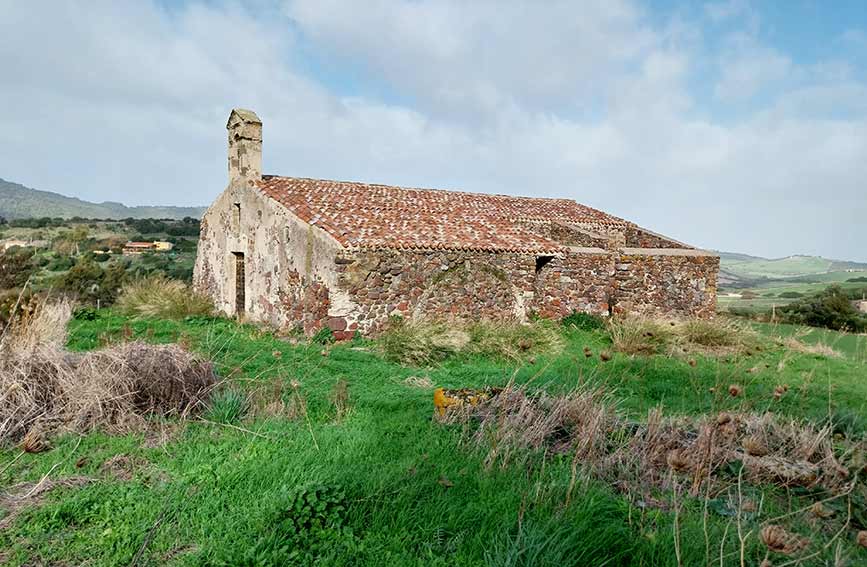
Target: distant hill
743 268
18 201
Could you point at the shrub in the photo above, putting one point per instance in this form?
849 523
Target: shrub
830 308
583 321
158 296
16 266
90 282
791 294
60 263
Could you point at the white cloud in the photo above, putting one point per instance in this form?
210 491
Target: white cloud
746 67
128 102
726 9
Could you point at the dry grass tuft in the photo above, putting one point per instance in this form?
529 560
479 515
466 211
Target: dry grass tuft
514 422
34 441
120 386
422 382
585 422
819 349
424 343
777 539
640 335
44 388
339 398
644 335
158 296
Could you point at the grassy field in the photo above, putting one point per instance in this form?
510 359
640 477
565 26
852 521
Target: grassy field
752 267
398 488
765 296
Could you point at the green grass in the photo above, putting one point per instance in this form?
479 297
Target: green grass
768 295
791 266
396 487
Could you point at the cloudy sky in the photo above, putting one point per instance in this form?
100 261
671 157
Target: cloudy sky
731 124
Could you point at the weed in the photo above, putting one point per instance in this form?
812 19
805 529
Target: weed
583 321
228 406
340 398
324 336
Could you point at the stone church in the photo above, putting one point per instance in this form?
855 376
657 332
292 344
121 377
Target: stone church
314 253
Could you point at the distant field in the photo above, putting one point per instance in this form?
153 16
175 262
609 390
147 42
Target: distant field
759 282
780 268
768 294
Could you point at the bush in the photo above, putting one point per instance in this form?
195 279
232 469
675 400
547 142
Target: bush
158 296
60 263
583 321
16 266
91 283
830 308
791 295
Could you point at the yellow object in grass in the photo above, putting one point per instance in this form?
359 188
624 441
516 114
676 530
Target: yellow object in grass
446 398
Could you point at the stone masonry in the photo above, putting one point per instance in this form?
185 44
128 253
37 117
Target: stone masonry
311 253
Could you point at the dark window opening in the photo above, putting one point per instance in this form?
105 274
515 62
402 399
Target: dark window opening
240 284
236 217
542 261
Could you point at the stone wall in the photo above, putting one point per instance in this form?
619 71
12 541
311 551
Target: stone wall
297 275
578 281
469 285
436 284
570 234
670 282
637 237
289 264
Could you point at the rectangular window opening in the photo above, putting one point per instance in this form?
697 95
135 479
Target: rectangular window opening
240 284
542 261
236 217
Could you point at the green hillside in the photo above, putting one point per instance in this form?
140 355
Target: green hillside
18 201
752 267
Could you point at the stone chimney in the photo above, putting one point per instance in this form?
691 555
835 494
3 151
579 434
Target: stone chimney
245 145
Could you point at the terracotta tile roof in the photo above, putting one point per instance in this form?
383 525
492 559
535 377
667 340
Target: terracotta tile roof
364 215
